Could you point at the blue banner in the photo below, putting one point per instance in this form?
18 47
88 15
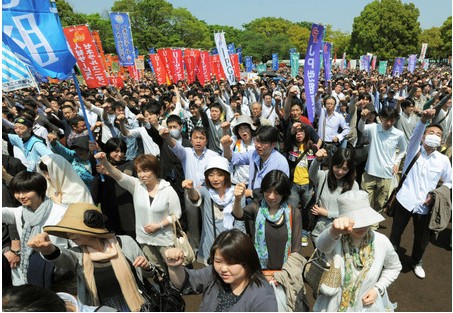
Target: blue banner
311 68
412 63
398 67
327 63
214 51
231 48
151 65
366 62
248 64
274 61
239 52
32 30
291 51
152 51
123 38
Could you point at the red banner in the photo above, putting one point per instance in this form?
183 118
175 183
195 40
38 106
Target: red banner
177 67
204 68
235 62
166 58
134 73
84 49
116 81
159 69
220 74
190 68
214 70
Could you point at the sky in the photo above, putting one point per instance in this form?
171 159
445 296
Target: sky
238 12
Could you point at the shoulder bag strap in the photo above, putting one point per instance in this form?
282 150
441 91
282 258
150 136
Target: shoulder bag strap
270 112
213 219
403 178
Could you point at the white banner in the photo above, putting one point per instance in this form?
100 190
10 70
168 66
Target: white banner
222 49
423 52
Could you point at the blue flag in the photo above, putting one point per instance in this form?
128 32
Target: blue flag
15 74
275 61
326 58
214 51
123 38
152 51
398 67
239 52
248 64
311 68
32 30
412 63
231 49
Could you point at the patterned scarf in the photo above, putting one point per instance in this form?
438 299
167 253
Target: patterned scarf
112 252
360 259
260 231
227 203
33 221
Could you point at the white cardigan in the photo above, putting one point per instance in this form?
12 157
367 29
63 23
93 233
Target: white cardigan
385 269
165 203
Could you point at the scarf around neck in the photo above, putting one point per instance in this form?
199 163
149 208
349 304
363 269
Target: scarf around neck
227 203
33 221
260 230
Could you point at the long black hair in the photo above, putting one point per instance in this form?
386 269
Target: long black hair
338 159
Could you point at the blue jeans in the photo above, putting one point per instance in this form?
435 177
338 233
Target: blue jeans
300 194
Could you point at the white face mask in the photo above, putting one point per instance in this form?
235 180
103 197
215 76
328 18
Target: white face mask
432 141
175 133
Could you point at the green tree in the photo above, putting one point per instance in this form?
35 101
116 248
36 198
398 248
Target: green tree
445 31
433 38
387 28
188 31
339 39
104 27
67 15
232 34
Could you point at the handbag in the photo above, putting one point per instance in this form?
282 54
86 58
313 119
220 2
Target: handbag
389 206
317 271
181 241
313 219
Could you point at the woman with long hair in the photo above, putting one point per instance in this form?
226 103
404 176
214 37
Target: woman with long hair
216 199
339 178
232 282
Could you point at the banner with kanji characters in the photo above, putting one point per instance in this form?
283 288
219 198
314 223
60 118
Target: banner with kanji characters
177 68
412 63
423 51
15 74
159 68
191 57
248 64
167 59
123 38
311 68
327 61
204 68
32 30
382 67
88 59
274 61
235 62
398 67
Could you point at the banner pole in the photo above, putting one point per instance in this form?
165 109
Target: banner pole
90 133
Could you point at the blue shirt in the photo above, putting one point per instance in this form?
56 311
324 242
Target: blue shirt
33 149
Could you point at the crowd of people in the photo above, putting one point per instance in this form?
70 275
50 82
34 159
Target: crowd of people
89 201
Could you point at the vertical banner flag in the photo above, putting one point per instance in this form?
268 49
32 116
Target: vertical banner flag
228 69
366 63
235 62
123 38
98 42
133 72
231 48
361 63
166 58
274 61
15 74
291 51
214 51
423 52
189 61
425 64
398 67
239 52
204 67
159 68
295 64
88 59
373 62
311 68
177 67
342 62
214 60
411 62
261 68
327 63
248 64
32 30
382 67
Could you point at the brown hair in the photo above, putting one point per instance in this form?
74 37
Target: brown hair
147 161
226 174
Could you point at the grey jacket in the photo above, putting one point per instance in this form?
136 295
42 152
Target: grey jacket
441 211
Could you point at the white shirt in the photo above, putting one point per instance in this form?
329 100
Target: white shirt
332 123
268 112
424 174
382 149
149 146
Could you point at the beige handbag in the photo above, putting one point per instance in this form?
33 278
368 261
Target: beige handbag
317 271
181 241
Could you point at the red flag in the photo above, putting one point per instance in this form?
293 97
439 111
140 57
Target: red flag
235 62
177 67
220 74
166 58
133 72
190 68
214 67
84 49
116 81
159 69
204 68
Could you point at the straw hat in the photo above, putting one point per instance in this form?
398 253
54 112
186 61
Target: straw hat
218 162
356 206
80 218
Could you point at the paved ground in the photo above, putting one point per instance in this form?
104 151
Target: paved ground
432 294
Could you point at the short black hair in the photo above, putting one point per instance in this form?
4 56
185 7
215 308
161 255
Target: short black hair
75 120
267 133
278 180
390 113
29 181
31 298
174 118
114 143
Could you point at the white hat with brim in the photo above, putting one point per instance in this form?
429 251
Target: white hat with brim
356 206
243 119
218 162
83 219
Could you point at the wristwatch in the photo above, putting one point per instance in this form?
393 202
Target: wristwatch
380 291
16 252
